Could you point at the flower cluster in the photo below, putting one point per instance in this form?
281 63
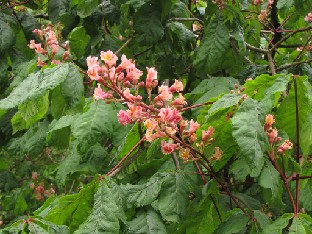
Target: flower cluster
49 50
272 134
39 188
161 116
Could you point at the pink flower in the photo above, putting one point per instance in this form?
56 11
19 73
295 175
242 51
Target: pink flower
65 56
272 134
39 33
287 145
168 148
51 38
269 120
34 175
109 58
93 68
133 75
150 124
164 95
125 64
92 62
99 94
131 97
124 117
176 87
151 79
36 47
56 62
179 102
136 112
308 17
40 63
54 48
263 15
170 116
207 134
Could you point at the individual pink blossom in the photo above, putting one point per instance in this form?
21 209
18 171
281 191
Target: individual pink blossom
257 2
125 64
133 75
56 62
109 58
263 15
207 134
168 147
93 68
124 117
65 56
99 94
39 33
170 116
308 17
51 38
131 97
150 124
54 48
40 63
136 112
287 145
269 120
92 62
164 95
179 102
272 134
184 153
176 87
270 2
151 136
151 78
34 175
36 47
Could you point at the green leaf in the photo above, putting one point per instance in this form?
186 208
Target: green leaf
7 36
306 221
32 142
106 213
179 34
147 23
297 227
129 142
85 7
143 194
226 101
37 84
97 122
63 122
249 135
30 112
287 4
270 179
236 223
78 41
286 114
278 225
209 54
147 221
173 199
56 9
70 210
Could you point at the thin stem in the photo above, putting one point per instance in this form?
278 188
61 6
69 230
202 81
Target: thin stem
187 19
125 157
176 161
195 106
256 49
124 45
298 144
292 65
303 49
271 63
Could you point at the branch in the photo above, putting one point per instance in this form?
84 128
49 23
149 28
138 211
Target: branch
256 49
187 19
288 36
124 45
271 63
292 64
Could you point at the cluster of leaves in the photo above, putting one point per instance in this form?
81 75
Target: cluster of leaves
50 125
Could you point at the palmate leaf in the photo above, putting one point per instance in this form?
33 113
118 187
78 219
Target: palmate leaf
249 135
97 122
78 41
7 36
143 194
147 23
30 112
286 114
208 57
270 179
278 225
147 221
106 212
70 210
38 83
173 199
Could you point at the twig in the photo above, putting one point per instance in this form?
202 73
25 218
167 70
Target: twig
292 64
125 157
124 45
176 161
298 145
187 19
288 36
271 63
195 106
256 49
303 49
